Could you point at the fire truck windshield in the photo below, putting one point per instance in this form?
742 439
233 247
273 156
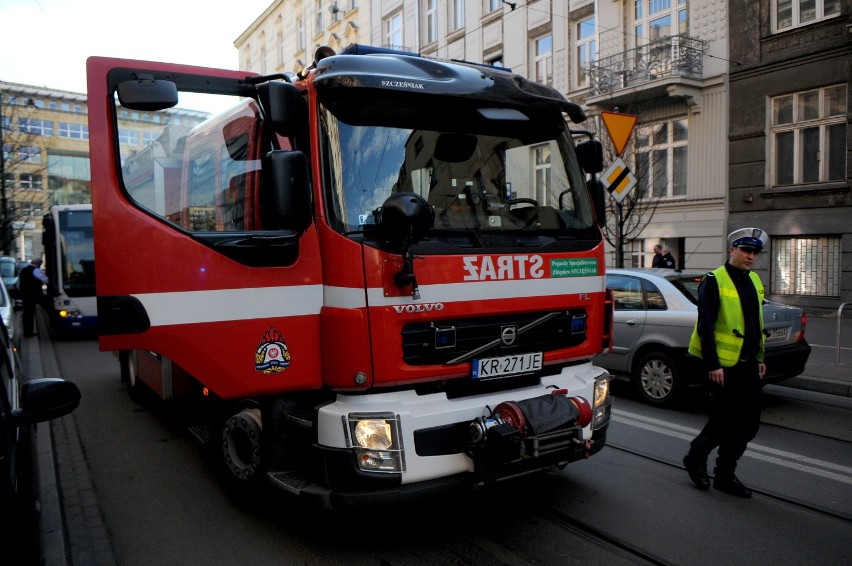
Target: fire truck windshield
476 182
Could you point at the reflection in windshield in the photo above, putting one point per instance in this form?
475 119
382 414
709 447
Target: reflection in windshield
475 182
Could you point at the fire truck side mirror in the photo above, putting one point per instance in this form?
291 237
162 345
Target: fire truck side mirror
145 93
284 107
597 191
590 156
286 198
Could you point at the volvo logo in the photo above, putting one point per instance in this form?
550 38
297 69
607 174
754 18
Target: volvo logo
427 307
509 336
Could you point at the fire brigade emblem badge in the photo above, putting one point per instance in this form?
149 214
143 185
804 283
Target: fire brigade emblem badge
272 355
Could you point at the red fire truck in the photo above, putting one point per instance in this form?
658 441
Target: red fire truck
369 281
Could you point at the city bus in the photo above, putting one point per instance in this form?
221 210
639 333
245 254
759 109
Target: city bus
70 268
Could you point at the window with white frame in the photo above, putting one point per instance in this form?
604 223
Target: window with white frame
661 159
542 169
456 14
430 21
809 136
128 136
806 265
789 14
587 49
29 153
30 209
543 59
35 127
393 30
656 19
30 181
320 24
638 255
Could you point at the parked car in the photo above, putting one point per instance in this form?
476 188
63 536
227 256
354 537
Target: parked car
22 405
8 312
655 312
9 270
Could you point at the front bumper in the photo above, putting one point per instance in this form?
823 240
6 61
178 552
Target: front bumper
437 446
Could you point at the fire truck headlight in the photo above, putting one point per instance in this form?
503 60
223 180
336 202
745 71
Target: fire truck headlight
373 434
377 442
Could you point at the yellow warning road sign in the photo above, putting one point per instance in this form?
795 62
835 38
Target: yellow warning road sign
618 179
619 126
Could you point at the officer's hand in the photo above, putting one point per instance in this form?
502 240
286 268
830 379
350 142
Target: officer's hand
717 376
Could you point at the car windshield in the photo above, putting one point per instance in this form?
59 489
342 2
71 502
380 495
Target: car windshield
688 285
7 268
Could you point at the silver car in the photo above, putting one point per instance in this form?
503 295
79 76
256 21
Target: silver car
8 312
655 312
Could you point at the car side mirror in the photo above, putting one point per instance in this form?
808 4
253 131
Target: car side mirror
45 399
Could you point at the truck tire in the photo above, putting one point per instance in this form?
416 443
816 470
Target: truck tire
657 378
130 376
242 446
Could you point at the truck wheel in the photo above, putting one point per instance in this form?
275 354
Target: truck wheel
658 379
130 376
242 436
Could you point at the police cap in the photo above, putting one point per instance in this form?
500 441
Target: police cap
748 239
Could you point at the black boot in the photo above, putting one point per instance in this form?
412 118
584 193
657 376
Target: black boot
727 482
697 472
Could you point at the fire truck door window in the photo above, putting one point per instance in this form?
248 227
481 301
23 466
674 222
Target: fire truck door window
200 173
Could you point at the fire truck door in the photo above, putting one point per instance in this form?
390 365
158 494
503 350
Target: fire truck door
186 264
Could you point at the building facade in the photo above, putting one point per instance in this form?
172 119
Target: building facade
790 160
665 61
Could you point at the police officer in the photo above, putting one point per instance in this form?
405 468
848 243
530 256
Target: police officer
30 281
728 337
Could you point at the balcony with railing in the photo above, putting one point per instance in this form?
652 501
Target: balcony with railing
646 71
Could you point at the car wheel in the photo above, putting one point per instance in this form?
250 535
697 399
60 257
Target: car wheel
657 379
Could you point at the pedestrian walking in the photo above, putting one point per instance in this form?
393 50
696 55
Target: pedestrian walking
657 261
30 282
728 337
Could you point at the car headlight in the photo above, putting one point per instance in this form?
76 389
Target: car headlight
603 402
376 440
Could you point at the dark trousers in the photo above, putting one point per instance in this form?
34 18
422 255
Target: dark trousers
28 314
733 420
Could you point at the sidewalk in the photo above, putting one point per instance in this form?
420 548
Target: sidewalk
829 370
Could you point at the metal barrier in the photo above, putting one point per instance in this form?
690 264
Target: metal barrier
837 341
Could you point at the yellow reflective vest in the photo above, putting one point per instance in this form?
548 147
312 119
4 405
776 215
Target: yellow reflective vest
730 318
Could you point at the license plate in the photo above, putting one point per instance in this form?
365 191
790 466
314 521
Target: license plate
777 333
503 366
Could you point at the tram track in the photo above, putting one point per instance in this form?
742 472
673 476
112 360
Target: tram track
800 504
